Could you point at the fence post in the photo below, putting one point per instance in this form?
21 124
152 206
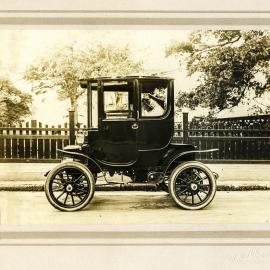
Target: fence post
185 127
34 141
71 127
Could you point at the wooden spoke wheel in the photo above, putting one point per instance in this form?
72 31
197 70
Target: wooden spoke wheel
70 186
192 185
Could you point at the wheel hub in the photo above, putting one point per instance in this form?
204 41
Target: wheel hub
69 188
193 186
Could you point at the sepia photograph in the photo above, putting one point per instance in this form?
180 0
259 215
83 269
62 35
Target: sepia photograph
134 135
134 126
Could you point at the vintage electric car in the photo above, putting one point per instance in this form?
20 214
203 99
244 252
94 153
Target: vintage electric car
130 131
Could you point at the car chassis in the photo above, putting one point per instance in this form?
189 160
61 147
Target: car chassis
129 132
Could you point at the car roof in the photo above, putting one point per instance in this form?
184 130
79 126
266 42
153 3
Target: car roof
84 82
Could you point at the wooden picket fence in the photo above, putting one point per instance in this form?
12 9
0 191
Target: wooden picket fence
32 142
239 139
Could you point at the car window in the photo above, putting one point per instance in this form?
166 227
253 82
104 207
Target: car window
116 104
118 99
153 99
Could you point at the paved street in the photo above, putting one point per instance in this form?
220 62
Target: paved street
130 207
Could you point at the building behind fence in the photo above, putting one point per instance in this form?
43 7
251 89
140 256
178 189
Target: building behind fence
238 139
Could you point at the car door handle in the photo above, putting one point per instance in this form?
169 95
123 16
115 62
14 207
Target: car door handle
135 126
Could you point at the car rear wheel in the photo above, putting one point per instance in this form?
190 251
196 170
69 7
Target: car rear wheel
70 186
192 185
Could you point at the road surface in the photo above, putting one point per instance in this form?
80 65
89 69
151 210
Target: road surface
130 207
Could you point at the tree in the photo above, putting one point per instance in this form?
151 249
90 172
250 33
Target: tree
14 104
231 65
62 70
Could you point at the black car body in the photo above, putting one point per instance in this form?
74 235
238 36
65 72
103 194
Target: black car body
130 131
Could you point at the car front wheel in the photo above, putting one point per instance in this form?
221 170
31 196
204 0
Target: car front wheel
70 186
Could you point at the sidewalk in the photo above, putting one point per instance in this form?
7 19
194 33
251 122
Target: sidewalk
30 177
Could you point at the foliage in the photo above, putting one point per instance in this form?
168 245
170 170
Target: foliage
231 66
62 70
14 104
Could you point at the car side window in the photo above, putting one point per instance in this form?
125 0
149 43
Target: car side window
118 100
116 105
153 99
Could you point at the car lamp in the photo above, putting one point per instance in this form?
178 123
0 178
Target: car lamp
80 136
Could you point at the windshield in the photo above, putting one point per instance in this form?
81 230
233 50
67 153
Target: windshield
92 106
94 113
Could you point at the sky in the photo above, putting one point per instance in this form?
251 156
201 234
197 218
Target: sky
20 48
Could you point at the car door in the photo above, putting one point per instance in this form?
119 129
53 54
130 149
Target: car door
155 123
118 126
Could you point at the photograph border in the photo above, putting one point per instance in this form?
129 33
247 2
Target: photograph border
138 235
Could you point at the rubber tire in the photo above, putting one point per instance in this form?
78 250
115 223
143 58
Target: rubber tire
184 166
76 165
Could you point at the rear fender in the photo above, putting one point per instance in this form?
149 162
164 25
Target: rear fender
184 156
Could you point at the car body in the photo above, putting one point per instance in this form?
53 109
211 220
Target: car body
130 132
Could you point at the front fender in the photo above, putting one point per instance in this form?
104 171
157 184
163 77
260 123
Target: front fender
82 158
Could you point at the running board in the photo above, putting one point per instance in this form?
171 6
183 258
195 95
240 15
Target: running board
128 184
